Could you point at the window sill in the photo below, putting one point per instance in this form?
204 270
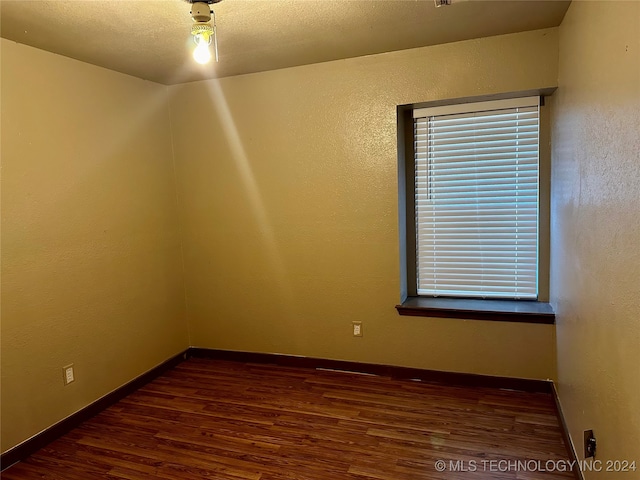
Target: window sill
520 311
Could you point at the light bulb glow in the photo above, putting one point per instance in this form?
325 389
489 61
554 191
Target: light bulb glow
201 53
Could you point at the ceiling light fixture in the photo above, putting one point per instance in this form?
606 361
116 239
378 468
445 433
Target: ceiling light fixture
202 30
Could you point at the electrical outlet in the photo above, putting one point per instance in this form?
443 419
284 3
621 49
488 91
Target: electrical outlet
589 444
357 329
68 375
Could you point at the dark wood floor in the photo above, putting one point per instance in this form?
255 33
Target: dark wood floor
227 420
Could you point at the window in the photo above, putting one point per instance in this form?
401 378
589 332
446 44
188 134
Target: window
476 199
473 195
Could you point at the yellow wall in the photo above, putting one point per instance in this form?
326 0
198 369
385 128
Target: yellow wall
595 237
289 218
91 266
288 206
287 187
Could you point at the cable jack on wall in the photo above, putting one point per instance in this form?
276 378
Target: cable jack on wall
202 30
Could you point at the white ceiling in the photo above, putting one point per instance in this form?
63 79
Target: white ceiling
151 39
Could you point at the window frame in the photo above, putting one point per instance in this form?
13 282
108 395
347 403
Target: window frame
525 310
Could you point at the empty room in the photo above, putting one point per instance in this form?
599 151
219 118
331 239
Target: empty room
320 239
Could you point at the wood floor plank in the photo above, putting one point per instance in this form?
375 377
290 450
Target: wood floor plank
226 420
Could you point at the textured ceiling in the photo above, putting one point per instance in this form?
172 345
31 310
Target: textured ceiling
150 39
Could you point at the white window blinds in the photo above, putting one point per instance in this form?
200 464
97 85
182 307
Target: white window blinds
477 199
